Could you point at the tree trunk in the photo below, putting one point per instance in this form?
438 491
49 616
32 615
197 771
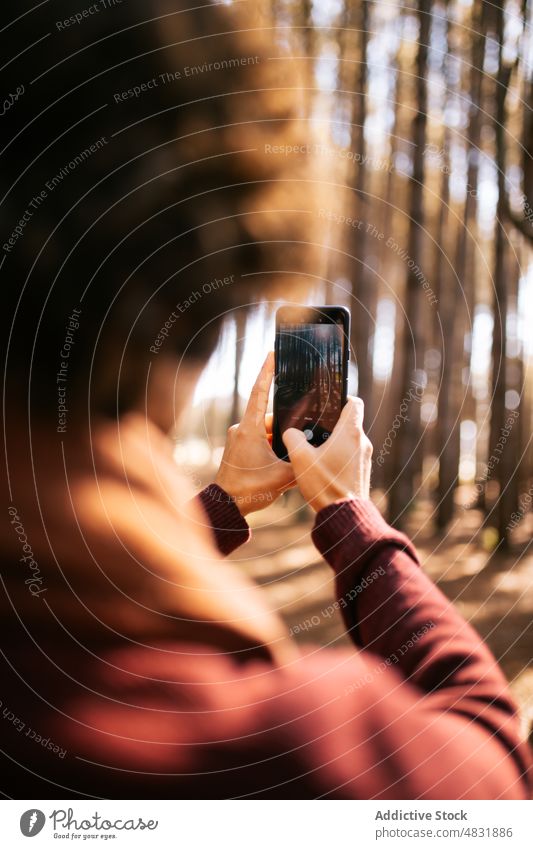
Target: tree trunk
407 444
240 334
378 430
524 222
308 46
363 307
500 304
355 22
509 470
459 295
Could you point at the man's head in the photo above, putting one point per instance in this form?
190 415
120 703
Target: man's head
145 194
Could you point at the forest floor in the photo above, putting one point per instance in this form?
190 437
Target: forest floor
493 590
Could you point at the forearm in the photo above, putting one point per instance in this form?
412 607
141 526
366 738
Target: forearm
391 607
230 529
358 544
393 610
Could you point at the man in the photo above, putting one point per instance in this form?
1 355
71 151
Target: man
136 663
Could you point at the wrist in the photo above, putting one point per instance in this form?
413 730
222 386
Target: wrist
229 526
242 504
349 532
327 499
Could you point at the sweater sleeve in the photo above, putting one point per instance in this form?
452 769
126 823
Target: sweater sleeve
229 527
394 611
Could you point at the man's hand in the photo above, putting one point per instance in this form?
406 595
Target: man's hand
250 472
341 467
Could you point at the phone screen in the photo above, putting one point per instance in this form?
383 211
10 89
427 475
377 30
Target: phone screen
311 372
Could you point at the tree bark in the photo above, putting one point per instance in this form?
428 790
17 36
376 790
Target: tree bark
524 222
308 46
407 445
363 306
240 332
500 302
459 295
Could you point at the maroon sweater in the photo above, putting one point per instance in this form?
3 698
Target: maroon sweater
417 709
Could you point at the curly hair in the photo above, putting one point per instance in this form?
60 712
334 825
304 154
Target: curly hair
147 188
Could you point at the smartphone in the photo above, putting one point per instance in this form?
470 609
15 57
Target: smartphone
312 351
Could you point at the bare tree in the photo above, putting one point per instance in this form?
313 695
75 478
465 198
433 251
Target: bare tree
458 296
364 296
240 333
407 445
500 285
524 222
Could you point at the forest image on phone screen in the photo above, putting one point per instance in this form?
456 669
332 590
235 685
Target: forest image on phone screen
309 379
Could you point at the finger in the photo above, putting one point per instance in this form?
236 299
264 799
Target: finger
269 422
355 407
349 425
297 445
352 415
257 404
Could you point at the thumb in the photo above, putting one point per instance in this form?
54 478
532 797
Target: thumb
351 418
296 444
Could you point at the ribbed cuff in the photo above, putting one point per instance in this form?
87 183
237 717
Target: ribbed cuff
230 528
348 532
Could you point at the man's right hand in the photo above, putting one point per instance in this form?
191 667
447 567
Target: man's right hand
340 468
